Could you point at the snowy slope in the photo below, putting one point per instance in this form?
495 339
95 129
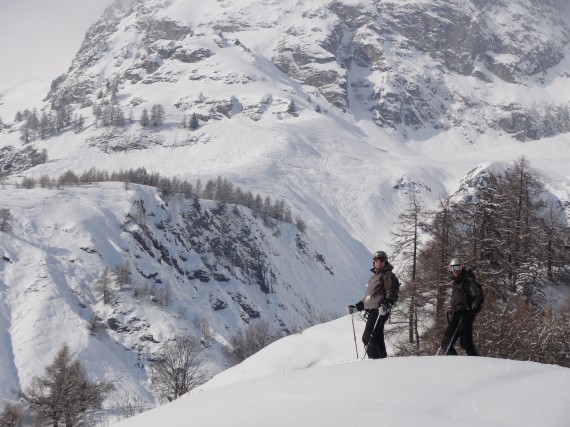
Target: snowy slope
313 379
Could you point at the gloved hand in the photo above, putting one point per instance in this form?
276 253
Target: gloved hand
351 309
385 307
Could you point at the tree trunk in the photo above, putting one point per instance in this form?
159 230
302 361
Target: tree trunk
411 317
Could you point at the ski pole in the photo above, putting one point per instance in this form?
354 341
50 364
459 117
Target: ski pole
452 337
354 333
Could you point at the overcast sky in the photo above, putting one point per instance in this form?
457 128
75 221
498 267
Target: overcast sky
39 38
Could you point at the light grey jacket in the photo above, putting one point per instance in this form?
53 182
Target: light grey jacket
382 285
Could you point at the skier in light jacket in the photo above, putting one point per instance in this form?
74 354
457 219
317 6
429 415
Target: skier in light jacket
381 293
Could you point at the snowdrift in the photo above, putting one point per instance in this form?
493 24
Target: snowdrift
271 389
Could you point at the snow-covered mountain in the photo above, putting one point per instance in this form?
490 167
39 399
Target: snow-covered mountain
238 66
407 66
337 107
194 268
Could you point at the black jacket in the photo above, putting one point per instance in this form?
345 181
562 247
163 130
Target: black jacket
466 293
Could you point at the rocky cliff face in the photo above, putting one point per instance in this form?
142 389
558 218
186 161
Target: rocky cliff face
116 272
396 63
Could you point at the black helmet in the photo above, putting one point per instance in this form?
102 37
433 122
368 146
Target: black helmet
380 255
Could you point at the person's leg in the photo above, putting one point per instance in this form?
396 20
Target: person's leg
466 337
369 336
379 336
450 335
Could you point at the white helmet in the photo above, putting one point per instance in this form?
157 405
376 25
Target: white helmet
456 262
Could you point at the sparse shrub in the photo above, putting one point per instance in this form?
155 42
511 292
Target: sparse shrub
11 416
179 367
130 404
105 288
122 275
68 178
246 343
28 183
46 182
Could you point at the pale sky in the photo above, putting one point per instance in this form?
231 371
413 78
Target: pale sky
39 38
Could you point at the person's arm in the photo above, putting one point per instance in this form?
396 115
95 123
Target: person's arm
476 294
391 287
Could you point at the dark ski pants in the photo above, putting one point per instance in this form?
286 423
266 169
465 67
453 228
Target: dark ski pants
464 334
373 338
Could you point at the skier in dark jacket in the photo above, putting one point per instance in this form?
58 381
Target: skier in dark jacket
466 301
381 293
